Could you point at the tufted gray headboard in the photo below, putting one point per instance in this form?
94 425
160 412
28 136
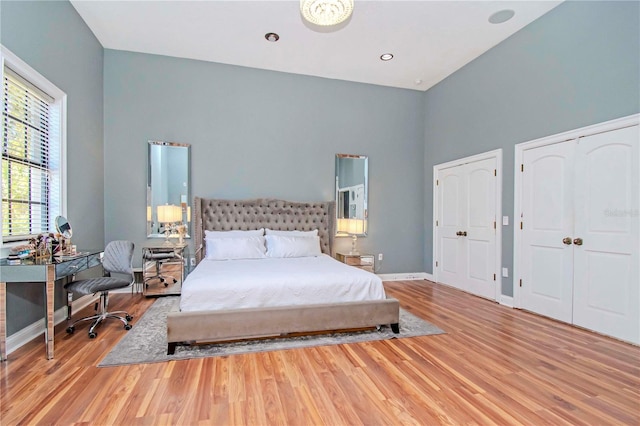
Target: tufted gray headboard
227 215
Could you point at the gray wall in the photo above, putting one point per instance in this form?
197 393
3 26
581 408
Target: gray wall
575 66
52 38
256 133
259 133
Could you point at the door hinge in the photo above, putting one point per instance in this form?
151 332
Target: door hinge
495 172
494 224
494 277
437 182
436 223
522 167
521 225
520 282
436 263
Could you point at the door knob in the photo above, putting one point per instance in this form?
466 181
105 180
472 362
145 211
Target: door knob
577 241
567 240
458 233
463 233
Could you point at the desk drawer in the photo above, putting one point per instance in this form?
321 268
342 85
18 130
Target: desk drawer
70 267
359 261
94 260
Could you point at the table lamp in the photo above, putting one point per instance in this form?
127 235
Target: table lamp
352 227
168 215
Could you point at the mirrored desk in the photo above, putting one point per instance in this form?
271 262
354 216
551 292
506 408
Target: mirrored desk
45 271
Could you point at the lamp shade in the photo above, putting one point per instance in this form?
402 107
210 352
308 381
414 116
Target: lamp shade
169 213
351 226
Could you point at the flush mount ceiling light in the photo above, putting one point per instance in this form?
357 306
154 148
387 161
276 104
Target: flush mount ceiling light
272 37
326 12
386 57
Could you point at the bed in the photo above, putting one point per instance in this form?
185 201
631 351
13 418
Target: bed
242 304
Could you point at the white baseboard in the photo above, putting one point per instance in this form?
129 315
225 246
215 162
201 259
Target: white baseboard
506 300
22 337
405 277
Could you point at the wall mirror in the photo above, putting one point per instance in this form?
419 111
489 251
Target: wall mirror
168 190
352 187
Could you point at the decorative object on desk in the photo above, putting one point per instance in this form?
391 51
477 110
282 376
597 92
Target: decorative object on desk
168 215
42 244
23 251
352 227
65 233
147 341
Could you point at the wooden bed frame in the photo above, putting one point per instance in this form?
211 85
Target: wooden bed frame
221 325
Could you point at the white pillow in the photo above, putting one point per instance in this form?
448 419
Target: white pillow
234 234
313 233
235 248
279 246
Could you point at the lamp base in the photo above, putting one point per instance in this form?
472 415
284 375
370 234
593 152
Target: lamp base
354 244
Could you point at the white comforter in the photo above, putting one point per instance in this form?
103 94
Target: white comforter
251 283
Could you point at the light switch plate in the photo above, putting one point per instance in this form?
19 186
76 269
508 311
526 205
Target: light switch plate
505 272
505 220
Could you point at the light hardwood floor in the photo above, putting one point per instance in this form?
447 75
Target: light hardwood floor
495 365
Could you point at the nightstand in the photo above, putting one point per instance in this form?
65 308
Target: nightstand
163 268
359 260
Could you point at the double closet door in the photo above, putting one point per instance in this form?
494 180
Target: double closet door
579 254
466 227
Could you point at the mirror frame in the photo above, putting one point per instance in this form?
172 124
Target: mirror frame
184 204
365 207
65 231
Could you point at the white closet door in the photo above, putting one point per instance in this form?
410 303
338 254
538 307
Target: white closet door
467 204
452 204
547 216
606 289
480 241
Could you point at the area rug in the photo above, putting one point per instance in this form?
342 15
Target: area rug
146 342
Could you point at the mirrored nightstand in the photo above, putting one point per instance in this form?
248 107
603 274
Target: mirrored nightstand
359 260
163 268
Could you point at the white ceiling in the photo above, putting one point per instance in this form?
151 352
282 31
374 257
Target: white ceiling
429 39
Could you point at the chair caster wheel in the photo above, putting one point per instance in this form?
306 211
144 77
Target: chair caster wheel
70 330
166 284
127 327
128 317
93 335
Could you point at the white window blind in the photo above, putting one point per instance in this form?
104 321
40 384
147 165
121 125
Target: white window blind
30 158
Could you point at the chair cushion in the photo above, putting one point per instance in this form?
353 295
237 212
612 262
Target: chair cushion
95 285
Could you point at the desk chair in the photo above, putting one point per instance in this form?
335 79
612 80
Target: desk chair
117 258
159 258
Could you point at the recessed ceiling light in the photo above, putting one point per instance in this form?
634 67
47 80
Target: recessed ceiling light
418 82
386 57
501 16
272 37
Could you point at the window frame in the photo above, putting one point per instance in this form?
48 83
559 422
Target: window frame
10 60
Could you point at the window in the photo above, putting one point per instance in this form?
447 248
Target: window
32 151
